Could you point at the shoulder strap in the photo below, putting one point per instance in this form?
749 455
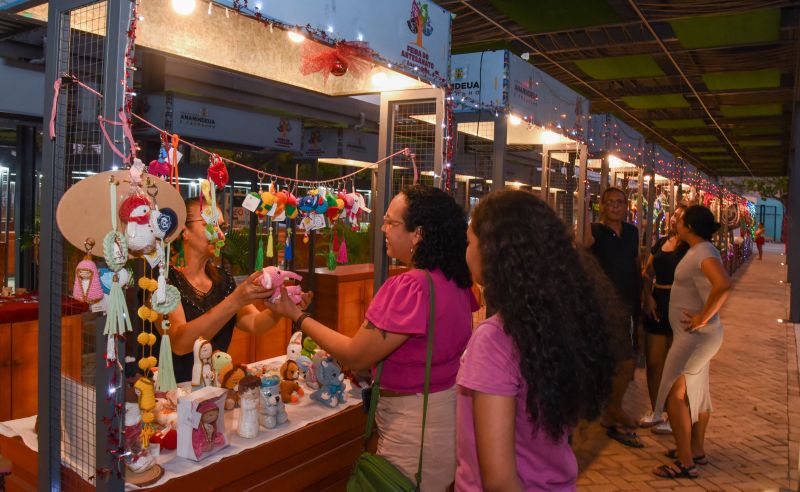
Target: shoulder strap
373 401
428 361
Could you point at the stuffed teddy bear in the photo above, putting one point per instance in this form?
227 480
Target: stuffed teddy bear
229 379
271 410
274 277
290 388
331 381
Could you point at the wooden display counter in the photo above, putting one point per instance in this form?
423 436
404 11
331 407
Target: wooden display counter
317 457
19 363
343 295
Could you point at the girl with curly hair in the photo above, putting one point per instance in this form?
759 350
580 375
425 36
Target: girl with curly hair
542 363
427 230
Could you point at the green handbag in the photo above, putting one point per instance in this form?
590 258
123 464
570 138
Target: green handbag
373 473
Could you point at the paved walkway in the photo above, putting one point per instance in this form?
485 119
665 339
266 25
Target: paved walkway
754 435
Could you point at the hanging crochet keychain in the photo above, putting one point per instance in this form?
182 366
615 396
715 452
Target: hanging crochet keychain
166 372
115 252
87 287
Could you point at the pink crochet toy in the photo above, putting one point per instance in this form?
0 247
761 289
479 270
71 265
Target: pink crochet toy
274 277
87 286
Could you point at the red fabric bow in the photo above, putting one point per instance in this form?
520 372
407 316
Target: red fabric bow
351 56
217 172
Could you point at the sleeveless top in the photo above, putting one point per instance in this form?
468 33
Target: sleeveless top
665 262
195 304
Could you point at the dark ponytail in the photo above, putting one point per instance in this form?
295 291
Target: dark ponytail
701 221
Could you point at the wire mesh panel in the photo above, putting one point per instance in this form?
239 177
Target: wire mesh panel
75 153
475 159
413 127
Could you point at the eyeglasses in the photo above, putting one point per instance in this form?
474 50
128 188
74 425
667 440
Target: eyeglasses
391 223
221 225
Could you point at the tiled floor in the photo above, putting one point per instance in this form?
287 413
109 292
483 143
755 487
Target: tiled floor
752 441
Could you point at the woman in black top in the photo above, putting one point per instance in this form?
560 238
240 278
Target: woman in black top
211 303
658 275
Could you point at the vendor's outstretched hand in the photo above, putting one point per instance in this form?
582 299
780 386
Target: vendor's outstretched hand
251 290
305 300
285 306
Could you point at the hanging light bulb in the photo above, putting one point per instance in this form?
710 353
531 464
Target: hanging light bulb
184 7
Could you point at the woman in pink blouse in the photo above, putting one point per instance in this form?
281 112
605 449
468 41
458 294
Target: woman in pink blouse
426 230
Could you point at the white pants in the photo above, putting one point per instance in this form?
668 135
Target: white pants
399 421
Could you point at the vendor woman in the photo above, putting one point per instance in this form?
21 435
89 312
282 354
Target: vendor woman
212 305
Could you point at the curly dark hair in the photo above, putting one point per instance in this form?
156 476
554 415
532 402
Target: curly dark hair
444 232
544 290
701 221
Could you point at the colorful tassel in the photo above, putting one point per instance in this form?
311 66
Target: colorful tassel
335 241
260 255
342 259
288 253
166 373
270 248
331 258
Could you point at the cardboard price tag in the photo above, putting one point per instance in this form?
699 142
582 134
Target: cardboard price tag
251 203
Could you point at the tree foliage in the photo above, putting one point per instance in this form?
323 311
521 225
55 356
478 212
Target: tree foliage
777 188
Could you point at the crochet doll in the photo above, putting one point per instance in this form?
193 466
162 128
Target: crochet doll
202 372
249 397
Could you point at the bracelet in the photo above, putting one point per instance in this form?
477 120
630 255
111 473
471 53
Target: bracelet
300 319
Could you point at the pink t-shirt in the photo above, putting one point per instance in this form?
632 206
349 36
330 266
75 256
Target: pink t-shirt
491 365
401 306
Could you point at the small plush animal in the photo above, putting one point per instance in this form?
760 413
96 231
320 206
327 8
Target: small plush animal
294 349
309 377
290 388
271 410
219 361
331 380
229 379
309 348
273 278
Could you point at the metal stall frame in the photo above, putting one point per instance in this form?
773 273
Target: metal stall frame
383 180
51 277
581 150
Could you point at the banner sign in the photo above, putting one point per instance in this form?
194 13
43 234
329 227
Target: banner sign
502 81
412 33
200 120
477 79
344 143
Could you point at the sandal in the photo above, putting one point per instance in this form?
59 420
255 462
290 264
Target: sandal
698 460
677 471
628 438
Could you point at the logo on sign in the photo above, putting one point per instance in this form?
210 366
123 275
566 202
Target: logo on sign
283 140
314 139
197 120
420 21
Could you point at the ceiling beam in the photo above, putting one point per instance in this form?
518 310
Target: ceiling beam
678 68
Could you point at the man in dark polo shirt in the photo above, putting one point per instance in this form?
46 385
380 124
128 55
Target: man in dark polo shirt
615 244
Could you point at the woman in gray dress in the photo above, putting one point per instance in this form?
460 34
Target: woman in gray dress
700 288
